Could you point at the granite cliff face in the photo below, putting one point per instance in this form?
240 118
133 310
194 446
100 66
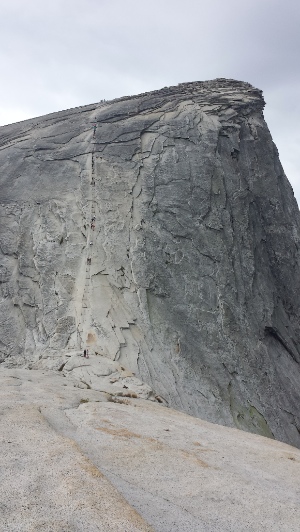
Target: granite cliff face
190 277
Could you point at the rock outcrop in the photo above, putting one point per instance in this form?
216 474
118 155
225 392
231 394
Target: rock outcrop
71 460
188 279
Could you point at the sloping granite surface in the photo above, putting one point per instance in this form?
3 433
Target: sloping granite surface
77 460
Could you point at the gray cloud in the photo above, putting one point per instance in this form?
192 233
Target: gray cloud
64 53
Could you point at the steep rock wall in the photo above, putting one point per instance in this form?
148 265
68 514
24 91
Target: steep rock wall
193 277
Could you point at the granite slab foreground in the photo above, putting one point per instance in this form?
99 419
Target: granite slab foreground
76 459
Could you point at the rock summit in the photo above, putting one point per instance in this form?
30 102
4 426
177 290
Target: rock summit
159 232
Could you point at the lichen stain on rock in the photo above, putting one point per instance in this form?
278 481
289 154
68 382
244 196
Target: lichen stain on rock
249 418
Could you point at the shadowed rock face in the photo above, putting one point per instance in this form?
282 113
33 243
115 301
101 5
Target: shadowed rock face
194 278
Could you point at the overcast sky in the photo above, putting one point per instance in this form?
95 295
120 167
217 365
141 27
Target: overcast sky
63 53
